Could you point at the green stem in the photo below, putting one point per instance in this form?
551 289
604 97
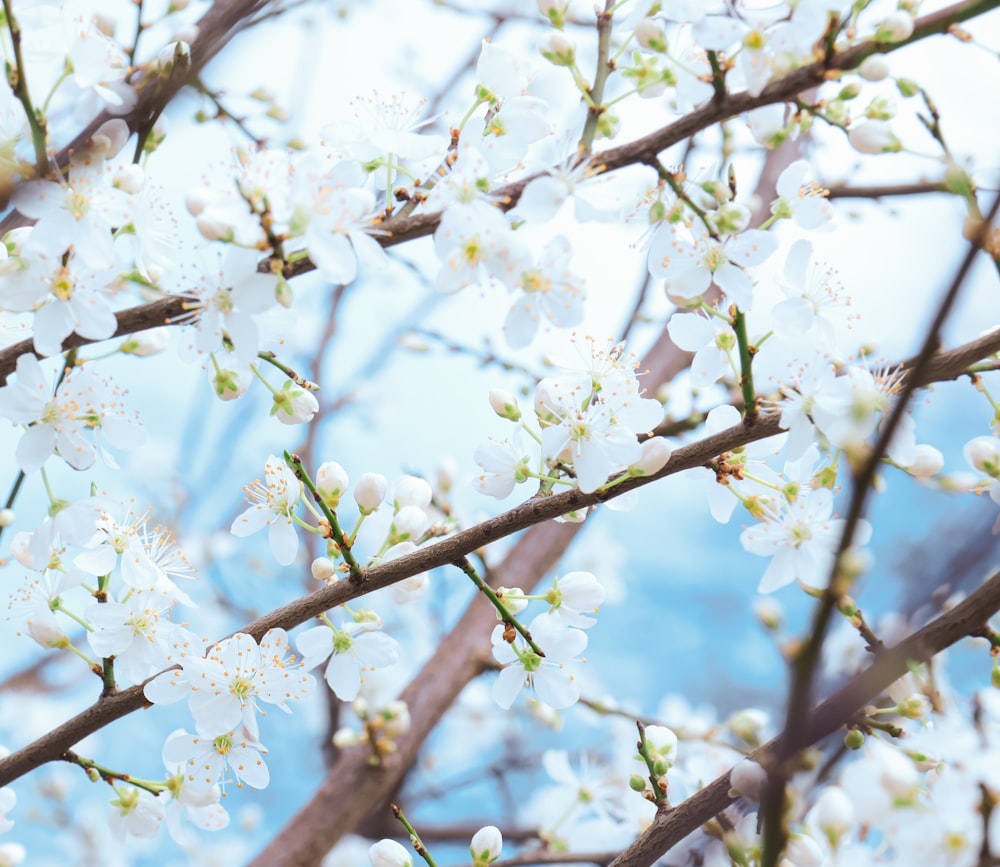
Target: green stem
490 594
654 778
415 841
95 771
746 373
718 76
300 381
336 533
19 84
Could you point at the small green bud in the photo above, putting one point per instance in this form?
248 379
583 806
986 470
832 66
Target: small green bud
636 783
854 740
907 87
849 91
283 293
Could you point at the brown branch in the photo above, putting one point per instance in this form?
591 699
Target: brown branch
671 826
883 191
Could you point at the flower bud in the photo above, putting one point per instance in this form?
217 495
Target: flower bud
661 744
559 50
983 454
854 740
447 470
283 293
174 56
410 589
651 35
637 783
396 717
881 108
213 227
907 87
294 405
928 462
369 492
915 706
487 843
331 482
874 67
747 778
748 725
768 612
408 524
146 342
732 218
412 491
895 28
45 630
230 384
6 517
849 91
873 137
608 125
109 138
323 569
656 452
555 11
505 404
389 853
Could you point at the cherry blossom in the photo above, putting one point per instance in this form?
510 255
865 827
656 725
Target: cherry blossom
550 290
272 504
226 687
135 813
206 760
135 631
547 675
57 424
801 537
504 464
690 267
354 647
573 594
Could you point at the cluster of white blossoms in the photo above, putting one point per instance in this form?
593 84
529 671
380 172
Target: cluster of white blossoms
588 420
102 239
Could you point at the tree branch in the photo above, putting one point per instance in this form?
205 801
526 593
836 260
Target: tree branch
671 826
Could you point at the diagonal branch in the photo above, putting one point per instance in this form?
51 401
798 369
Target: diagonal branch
671 826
